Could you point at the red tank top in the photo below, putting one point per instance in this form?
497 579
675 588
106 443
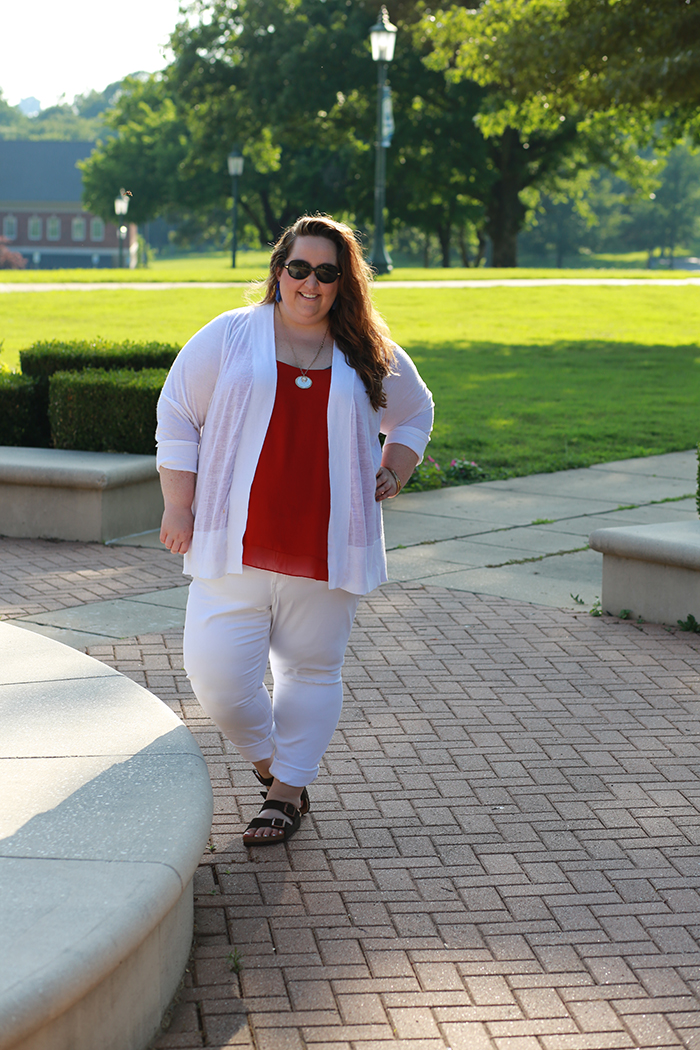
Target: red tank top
290 501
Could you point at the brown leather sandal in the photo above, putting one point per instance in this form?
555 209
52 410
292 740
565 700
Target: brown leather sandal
286 827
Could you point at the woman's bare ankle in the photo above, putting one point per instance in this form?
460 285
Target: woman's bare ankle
263 768
285 793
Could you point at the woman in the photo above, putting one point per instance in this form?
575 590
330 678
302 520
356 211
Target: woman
275 411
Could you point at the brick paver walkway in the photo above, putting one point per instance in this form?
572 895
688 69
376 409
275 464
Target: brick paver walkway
503 849
44 575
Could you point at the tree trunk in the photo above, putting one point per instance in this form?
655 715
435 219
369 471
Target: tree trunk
463 249
259 225
426 252
481 251
505 212
560 242
444 232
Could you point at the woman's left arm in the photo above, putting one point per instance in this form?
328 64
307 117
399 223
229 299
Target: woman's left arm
407 421
398 463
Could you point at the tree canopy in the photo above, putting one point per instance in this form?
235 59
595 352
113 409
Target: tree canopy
493 107
548 56
82 120
293 85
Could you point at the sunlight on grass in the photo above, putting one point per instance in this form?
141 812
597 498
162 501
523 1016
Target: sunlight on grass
524 380
253 266
168 315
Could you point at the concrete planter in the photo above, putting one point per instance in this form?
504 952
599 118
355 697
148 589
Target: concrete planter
57 494
106 810
652 570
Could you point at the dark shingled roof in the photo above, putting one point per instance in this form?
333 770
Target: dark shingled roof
41 171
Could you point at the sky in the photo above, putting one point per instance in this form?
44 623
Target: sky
56 48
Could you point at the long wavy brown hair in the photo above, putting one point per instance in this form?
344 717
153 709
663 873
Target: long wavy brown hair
355 325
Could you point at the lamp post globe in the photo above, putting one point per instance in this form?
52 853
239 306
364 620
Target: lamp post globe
235 169
121 207
383 39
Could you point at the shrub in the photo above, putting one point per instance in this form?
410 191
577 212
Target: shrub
430 475
22 419
697 494
464 472
43 359
10 260
100 410
427 475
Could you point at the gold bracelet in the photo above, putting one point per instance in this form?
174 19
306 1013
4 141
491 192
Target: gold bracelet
397 479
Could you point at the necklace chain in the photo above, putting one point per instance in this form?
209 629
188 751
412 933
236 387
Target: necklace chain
303 381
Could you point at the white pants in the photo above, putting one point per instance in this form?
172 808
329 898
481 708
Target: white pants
231 627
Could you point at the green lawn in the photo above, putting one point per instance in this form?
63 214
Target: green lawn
251 266
539 379
170 315
524 379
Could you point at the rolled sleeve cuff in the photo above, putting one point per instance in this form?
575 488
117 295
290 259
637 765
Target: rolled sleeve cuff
412 437
177 455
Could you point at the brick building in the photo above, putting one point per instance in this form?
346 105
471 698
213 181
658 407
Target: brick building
41 214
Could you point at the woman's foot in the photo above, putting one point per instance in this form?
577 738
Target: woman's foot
277 821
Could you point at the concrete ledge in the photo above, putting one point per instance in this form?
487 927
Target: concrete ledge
48 493
652 570
106 811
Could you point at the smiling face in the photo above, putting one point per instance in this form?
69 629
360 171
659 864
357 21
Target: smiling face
307 302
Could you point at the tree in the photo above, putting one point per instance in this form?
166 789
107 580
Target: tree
673 212
10 260
537 140
597 54
292 84
578 217
439 172
82 120
144 154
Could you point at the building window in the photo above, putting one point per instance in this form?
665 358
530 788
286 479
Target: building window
97 230
77 229
9 227
53 229
34 228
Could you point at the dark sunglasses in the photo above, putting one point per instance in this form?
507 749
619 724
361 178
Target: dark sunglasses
299 270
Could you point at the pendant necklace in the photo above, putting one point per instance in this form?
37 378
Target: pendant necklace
304 381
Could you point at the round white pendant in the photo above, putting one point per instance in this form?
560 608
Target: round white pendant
303 382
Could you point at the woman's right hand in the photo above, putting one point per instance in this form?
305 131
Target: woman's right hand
176 529
177 524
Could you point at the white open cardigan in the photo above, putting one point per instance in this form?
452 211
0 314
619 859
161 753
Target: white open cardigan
213 416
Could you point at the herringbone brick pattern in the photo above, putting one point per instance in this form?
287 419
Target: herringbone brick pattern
503 851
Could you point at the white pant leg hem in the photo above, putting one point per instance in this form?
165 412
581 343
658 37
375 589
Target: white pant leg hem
292 775
259 752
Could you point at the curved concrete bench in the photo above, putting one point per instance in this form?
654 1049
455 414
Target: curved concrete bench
58 494
106 810
651 570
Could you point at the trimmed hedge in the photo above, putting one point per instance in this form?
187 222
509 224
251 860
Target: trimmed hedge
23 418
101 410
44 359
24 399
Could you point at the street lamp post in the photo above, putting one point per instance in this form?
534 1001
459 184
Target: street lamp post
235 168
383 38
121 207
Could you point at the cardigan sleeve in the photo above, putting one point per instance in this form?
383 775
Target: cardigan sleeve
408 416
185 397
